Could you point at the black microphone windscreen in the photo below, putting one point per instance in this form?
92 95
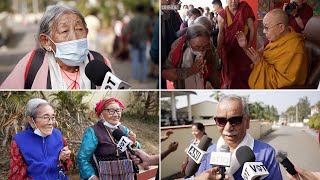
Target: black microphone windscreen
192 166
96 71
245 154
117 134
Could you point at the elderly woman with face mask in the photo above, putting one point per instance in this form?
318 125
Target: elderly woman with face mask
191 62
61 62
98 153
40 151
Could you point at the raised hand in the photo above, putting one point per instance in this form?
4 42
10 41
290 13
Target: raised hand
253 55
242 40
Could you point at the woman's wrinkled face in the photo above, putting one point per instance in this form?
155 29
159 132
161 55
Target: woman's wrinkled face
45 119
70 27
112 113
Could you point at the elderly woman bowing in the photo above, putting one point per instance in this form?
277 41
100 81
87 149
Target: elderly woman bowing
60 63
191 62
40 151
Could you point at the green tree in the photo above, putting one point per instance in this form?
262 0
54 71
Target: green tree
256 110
303 108
217 95
314 121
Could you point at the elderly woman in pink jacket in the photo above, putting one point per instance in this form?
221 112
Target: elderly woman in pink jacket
61 62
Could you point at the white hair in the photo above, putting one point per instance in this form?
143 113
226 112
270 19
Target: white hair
32 106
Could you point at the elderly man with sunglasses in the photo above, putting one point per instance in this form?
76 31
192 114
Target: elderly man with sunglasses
233 121
283 62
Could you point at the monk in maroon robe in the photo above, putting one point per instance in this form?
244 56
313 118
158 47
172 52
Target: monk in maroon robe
235 63
299 17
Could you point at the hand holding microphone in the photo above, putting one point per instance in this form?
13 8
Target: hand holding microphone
195 153
124 143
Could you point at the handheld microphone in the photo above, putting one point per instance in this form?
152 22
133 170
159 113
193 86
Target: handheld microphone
194 153
221 158
124 143
100 74
281 157
251 170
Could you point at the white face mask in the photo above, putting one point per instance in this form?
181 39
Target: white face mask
72 53
37 131
198 53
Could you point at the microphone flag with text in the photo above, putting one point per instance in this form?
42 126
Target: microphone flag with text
124 143
196 153
251 170
100 75
221 158
281 157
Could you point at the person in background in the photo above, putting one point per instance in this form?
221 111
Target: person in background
98 150
237 16
40 151
93 25
206 12
193 14
284 62
139 31
170 23
299 16
198 131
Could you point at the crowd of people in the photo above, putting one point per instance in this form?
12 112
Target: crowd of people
222 55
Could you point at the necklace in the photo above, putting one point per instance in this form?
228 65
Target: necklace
74 83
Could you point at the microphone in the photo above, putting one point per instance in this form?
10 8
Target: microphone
196 153
221 158
124 143
281 157
251 170
100 74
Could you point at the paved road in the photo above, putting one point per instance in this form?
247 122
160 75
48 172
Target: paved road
23 41
301 145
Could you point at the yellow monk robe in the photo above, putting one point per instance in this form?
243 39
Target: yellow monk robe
284 63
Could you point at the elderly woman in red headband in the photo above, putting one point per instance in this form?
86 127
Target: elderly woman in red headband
98 153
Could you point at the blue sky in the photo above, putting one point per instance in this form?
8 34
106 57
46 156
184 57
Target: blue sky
281 99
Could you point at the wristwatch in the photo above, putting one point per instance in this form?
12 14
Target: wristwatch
297 15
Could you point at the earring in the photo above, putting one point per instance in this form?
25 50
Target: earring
49 48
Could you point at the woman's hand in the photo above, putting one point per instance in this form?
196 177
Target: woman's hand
133 137
64 153
242 40
197 66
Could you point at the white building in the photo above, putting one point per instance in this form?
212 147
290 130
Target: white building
200 111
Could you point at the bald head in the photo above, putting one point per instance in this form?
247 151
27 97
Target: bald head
278 15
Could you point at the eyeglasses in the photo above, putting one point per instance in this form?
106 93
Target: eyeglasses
113 111
268 28
48 118
234 121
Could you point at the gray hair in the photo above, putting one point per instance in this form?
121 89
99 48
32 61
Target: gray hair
204 21
33 105
53 15
196 30
233 97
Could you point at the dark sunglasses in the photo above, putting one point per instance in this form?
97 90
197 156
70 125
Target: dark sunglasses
222 121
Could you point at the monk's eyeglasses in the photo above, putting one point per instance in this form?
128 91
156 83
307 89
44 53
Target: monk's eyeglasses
268 28
234 121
